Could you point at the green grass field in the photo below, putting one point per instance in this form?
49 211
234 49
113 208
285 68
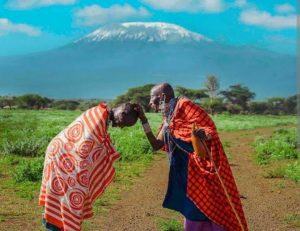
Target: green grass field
279 154
25 135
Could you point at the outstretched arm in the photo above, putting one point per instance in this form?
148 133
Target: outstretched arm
156 142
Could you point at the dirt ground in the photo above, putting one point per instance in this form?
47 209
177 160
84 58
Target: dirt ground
266 202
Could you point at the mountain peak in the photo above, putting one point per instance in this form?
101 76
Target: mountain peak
144 31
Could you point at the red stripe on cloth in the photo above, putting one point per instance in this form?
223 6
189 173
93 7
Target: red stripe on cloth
64 208
101 118
94 123
107 167
74 222
99 192
101 183
53 217
97 169
68 224
91 126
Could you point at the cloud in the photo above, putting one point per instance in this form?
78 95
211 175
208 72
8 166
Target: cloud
28 4
285 8
6 27
97 15
240 3
265 19
193 6
282 39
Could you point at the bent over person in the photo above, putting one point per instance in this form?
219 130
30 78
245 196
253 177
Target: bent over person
79 166
200 187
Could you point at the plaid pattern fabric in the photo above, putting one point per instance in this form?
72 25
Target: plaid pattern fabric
204 187
78 167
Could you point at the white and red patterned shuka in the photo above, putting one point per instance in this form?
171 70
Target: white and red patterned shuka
78 167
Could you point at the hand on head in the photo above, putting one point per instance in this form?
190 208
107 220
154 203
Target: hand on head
140 112
124 115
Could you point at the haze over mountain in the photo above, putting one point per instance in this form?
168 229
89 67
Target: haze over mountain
106 62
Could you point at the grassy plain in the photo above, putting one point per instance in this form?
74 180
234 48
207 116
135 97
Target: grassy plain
25 134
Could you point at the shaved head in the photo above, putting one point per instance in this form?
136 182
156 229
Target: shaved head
160 93
124 115
164 88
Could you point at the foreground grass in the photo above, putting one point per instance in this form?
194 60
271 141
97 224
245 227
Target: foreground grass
25 135
170 225
279 154
244 122
293 220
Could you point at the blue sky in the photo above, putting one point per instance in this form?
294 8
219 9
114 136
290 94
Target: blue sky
35 25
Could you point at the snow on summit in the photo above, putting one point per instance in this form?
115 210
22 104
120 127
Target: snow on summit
144 31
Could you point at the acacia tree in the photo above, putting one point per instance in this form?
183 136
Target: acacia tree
139 94
238 95
9 101
212 86
194 94
32 101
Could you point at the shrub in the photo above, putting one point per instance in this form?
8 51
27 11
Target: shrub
131 143
282 145
28 146
278 172
170 225
293 171
29 170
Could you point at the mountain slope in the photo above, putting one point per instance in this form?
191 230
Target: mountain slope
147 32
106 62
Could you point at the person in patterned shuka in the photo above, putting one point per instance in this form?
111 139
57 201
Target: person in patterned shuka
79 166
200 187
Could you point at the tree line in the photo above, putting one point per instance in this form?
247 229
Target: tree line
236 99
35 101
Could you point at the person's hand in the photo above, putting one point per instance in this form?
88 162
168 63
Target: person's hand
139 109
201 134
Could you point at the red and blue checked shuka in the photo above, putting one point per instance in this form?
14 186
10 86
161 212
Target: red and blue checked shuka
219 201
78 167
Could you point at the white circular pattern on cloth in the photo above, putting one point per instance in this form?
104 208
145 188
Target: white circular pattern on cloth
74 133
97 153
54 147
66 163
76 199
84 164
58 186
83 178
85 148
71 182
69 146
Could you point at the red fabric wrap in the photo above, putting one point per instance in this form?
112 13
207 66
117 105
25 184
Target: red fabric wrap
78 167
204 186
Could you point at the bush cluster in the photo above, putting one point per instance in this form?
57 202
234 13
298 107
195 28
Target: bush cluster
29 170
282 145
27 146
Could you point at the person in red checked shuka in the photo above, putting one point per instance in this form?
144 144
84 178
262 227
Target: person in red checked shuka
79 166
200 187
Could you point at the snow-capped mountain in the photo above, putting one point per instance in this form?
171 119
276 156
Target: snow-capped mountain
144 31
106 62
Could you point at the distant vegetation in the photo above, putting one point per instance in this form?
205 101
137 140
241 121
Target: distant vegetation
279 153
34 101
237 99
